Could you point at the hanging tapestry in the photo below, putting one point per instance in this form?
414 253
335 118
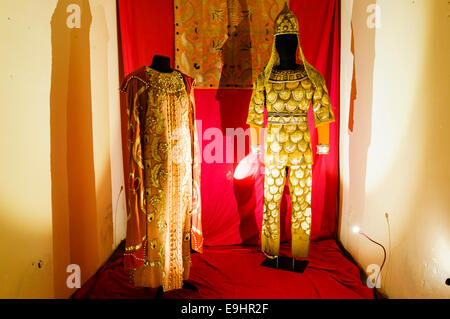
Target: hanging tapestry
224 43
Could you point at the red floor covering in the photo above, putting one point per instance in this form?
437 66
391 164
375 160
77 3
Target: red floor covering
233 272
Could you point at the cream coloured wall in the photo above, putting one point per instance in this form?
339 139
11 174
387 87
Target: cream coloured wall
394 149
25 199
51 82
106 121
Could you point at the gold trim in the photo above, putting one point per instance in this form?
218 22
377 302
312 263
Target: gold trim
136 247
171 82
125 87
323 149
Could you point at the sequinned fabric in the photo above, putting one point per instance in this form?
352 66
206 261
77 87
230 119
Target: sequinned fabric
287 96
163 195
287 143
300 181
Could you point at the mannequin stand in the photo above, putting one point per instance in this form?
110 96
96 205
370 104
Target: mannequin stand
286 263
286 46
186 285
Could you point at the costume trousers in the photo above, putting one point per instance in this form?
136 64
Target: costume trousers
300 181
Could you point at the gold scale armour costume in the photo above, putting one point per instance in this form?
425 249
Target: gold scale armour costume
163 193
287 96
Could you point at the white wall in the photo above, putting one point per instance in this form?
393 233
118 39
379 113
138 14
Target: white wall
396 158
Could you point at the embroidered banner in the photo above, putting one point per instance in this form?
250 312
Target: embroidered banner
224 43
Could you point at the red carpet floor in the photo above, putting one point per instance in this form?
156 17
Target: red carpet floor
232 272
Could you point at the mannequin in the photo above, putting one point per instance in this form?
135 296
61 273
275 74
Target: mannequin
286 45
162 230
287 88
161 63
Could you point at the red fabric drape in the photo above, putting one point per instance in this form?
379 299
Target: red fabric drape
232 209
319 35
329 275
146 29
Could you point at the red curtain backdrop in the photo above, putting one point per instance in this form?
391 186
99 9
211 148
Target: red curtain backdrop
232 209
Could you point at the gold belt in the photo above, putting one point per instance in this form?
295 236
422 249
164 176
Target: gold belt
286 118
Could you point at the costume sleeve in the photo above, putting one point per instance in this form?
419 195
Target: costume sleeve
257 104
323 112
196 226
136 214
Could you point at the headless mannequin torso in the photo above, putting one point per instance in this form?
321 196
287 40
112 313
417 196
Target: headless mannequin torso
286 45
161 63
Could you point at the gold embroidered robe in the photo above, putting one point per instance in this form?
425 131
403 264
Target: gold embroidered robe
163 189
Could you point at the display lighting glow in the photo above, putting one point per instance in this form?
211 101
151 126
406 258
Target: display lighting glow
247 167
356 229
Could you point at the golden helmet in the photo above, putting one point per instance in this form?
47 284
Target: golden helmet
286 22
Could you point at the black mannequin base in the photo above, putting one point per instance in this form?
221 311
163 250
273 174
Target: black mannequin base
286 263
186 285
